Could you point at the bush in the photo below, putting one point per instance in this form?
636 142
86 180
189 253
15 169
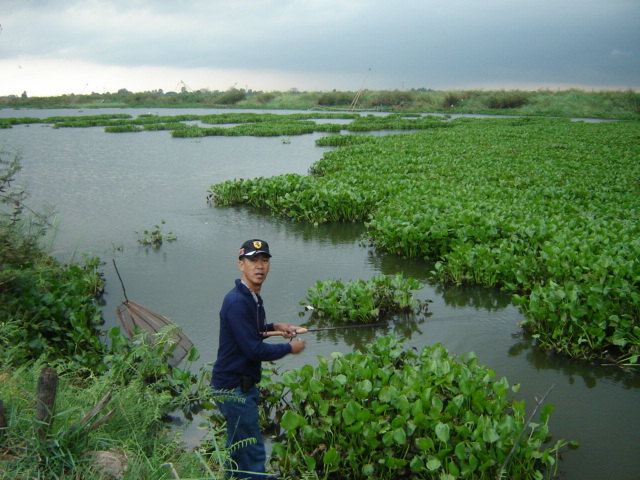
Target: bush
388 98
451 100
230 97
502 99
331 99
265 97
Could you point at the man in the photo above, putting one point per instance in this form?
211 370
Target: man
241 351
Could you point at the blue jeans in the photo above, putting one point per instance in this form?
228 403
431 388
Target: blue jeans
242 423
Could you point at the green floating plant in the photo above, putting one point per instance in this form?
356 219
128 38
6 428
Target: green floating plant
155 237
365 300
388 412
492 202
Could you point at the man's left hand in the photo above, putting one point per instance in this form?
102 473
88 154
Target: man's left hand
288 331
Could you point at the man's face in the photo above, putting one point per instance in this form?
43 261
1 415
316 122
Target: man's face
254 270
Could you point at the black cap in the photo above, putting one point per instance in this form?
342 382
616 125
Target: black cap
254 247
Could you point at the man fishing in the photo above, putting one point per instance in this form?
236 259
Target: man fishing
241 351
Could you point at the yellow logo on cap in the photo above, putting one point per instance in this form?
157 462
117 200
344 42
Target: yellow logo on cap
257 245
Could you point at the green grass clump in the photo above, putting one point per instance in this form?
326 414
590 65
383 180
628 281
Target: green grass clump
139 391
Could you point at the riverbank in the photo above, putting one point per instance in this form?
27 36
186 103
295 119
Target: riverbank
572 103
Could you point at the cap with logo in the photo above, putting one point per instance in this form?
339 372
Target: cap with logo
254 247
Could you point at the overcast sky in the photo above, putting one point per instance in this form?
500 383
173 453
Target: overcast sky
53 47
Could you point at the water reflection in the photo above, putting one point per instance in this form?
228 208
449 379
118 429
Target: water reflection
572 370
480 298
333 234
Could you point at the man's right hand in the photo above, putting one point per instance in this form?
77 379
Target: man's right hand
297 346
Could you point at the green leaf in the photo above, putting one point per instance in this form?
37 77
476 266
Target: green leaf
315 385
311 463
399 436
442 432
433 464
426 444
331 458
460 451
194 355
350 413
367 470
490 435
291 420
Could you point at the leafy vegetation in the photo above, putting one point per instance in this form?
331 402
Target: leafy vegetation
365 301
54 304
388 412
141 390
155 237
544 208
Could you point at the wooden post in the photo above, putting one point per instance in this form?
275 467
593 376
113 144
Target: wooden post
45 399
3 422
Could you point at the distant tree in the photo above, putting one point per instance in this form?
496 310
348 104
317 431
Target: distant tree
265 97
24 95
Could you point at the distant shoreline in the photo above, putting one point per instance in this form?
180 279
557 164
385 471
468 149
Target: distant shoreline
571 103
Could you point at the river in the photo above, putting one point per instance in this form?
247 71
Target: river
106 187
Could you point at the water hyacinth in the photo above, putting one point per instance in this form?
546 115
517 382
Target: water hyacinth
388 412
543 208
365 301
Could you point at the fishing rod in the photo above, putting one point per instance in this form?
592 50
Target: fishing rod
301 330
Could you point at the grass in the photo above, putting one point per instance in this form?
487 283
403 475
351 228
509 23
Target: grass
135 435
576 103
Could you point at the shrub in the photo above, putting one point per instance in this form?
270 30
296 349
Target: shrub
451 100
230 97
56 304
509 100
265 97
390 98
330 99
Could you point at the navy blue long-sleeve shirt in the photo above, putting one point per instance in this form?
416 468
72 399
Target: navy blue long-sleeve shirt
242 348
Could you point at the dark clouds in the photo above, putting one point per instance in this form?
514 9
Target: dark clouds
326 43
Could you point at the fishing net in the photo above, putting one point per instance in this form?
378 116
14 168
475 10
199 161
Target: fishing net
136 317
